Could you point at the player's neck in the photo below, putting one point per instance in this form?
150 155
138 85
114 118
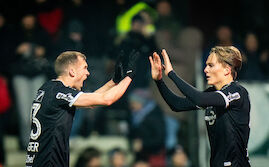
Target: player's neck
224 82
66 81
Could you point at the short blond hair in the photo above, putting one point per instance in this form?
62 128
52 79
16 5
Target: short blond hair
65 59
229 55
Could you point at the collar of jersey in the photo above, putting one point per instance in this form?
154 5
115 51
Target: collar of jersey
225 86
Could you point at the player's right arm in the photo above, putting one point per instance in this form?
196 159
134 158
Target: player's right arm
103 98
111 91
176 103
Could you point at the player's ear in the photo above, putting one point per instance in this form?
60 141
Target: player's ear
72 72
227 70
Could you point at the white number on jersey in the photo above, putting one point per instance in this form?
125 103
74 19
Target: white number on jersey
35 108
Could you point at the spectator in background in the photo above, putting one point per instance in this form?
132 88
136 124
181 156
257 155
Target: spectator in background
117 158
265 63
147 129
50 16
90 157
142 40
141 163
252 60
224 37
73 38
5 103
166 19
28 70
98 18
179 158
185 45
7 46
76 9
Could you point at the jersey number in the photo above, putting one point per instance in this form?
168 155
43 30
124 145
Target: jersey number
35 108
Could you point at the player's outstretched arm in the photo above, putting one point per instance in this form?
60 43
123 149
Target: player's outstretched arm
175 102
104 98
110 92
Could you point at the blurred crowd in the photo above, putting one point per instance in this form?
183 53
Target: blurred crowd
33 33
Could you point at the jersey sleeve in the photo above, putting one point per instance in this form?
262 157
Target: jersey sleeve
199 98
232 95
67 96
176 103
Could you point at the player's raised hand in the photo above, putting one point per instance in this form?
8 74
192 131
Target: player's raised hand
131 65
118 73
167 64
156 66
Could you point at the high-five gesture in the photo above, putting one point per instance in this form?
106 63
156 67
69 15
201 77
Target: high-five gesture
167 64
156 66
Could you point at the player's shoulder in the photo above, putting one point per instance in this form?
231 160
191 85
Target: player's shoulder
52 87
236 86
235 91
210 89
51 84
55 85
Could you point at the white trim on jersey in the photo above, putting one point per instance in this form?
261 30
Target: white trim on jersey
74 99
225 98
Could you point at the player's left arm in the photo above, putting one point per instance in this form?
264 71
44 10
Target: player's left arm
201 99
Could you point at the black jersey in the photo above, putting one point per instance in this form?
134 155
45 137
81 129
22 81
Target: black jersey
52 117
227 118
228 127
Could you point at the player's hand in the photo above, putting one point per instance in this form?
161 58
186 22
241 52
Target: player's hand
156 66
131 65
118 73
167 64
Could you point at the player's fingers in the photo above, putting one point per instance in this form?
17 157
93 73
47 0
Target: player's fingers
158 59
154 57
163 66
150 60
165 56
